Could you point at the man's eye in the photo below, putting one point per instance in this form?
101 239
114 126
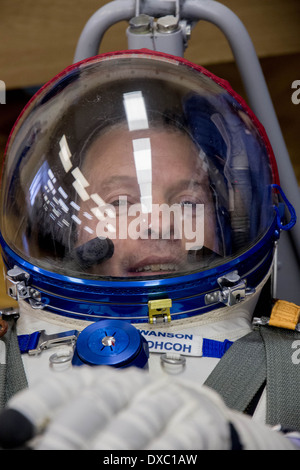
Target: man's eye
122 202
187 202
119 203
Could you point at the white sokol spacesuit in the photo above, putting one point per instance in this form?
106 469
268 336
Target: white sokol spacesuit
140 214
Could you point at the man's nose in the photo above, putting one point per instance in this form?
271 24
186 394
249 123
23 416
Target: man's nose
163 222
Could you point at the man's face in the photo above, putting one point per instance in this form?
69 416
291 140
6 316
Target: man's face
140 175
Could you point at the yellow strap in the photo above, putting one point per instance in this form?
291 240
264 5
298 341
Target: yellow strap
285 315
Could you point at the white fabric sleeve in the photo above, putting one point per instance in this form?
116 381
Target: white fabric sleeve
104 408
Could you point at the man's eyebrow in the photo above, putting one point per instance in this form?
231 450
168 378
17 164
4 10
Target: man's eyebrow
119 180
189 184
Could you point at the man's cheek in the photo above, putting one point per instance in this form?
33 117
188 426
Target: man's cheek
107 227
193 227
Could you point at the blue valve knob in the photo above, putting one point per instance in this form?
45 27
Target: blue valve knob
112 343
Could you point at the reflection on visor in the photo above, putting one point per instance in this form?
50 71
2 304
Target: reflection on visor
135 109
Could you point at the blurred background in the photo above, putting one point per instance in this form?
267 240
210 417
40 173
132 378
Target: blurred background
38 40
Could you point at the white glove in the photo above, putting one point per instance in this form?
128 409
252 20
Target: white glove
105 408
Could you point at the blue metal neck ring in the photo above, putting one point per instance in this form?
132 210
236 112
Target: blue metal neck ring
93 300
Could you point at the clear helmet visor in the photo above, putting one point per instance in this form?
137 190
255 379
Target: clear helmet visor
135 165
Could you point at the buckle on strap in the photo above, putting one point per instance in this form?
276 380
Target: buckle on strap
284 315
36 342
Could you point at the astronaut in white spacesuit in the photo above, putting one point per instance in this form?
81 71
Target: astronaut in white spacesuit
140 215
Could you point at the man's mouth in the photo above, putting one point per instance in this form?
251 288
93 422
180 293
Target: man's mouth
157 267
154 266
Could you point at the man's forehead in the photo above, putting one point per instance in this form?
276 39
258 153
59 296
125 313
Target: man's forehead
118 181
118 156
121 138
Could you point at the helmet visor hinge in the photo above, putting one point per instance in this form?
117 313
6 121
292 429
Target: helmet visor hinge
159 310
233 290
19 288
